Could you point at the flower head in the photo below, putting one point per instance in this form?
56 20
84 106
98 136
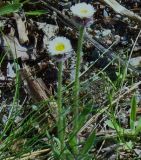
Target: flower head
60 47
82 10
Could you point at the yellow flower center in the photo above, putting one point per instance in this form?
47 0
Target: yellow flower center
84 11
60 47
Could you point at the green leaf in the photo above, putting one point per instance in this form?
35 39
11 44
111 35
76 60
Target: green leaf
127 145
114 125
86 157
138 127
16 1
9 8
109 123
133 112
88 144
36 13
82 118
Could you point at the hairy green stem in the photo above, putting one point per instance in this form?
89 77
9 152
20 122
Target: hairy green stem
60 109
76 83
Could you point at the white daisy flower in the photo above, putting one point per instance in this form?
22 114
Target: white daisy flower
82 10
59 45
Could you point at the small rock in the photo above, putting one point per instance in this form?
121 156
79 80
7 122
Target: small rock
106 32
138 152
17 119
136 62
4 119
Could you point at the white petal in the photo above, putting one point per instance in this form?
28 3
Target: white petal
57 40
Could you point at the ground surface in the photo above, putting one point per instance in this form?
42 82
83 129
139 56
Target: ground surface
110 80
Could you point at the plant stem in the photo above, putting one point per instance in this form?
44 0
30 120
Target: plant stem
76 83
60 109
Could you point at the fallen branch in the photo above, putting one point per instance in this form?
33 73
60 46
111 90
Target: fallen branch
38 91
123 11
34 86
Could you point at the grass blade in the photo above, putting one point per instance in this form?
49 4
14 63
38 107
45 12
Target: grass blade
89 143
9 8
133 112
36 13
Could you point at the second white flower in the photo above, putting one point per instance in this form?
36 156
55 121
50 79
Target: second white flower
82 10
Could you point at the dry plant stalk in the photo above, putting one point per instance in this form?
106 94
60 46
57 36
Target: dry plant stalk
31 156
23 38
